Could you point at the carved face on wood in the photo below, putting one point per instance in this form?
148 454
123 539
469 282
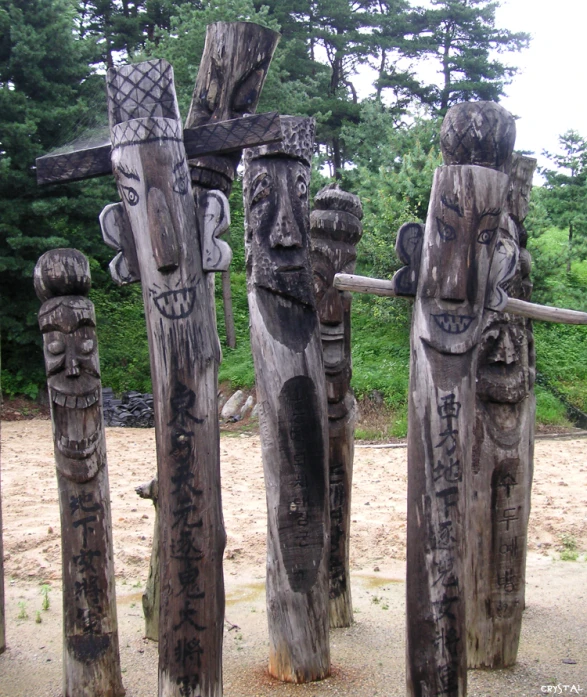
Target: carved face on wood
456 257
334 311
73 378
505 371
155 187
276 191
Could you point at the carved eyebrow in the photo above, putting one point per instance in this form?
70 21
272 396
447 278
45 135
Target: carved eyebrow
129 173
493 212
452 205
179 165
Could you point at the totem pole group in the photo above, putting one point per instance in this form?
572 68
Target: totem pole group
471 406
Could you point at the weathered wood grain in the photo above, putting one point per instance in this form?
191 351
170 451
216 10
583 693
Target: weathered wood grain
287 352
501 473
91 664
459 238
150 165
335 230
151 599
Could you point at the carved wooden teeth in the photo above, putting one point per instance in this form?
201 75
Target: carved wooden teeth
78 449
72 402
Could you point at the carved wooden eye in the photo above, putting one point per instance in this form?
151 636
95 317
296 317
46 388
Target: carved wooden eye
262 189
130 195
87 346
447 232
180 185
302 188
56 347
486 236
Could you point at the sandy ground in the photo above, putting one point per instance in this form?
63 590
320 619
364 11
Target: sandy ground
368 658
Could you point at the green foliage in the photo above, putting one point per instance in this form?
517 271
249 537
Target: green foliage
122 338
22 611
549 410
45 590
569 550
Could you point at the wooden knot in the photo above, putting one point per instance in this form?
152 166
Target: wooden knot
62 272
477 133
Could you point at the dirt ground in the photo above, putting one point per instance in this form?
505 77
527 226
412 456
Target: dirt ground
368 658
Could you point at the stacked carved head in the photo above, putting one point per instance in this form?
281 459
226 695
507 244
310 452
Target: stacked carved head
68 324
335 229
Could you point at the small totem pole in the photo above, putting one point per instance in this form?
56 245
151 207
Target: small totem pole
287 351
156 224
335 229
501 475
468 195
91 664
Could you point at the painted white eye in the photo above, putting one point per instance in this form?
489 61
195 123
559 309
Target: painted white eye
56 347
131 195
87 346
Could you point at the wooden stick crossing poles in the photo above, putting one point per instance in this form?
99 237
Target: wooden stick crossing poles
287 351
335 230
501 473
91 664
232 72
456 249
157 221
386 289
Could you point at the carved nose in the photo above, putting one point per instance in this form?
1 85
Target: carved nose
162 232
72 367
505 351
453 286
330 310
285 232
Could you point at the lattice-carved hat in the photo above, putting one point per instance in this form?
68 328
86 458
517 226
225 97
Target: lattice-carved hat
298 141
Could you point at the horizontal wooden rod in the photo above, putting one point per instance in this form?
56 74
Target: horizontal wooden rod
544 313
210 138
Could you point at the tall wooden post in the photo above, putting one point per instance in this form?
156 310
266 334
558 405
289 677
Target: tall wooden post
466 202
335 229
91 664
150 165
501 480
287 351
231 76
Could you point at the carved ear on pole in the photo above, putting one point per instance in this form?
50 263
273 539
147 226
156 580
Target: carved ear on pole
213 214
502 269
117 233
408 247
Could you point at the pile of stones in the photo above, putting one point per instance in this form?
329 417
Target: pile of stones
133 410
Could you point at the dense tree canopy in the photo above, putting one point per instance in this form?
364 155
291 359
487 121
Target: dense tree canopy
53 54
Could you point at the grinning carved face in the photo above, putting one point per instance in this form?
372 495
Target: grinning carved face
458 247
329 258
73 379
155 187
505 371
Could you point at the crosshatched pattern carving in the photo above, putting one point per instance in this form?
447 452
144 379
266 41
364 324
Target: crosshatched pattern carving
145 131
140 90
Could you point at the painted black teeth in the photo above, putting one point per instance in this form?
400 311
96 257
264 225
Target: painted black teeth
453 324
176 304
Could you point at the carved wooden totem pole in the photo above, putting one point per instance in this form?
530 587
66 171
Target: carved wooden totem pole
91 664
232 72
156 223
468 195
335 229
501 479
287 351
